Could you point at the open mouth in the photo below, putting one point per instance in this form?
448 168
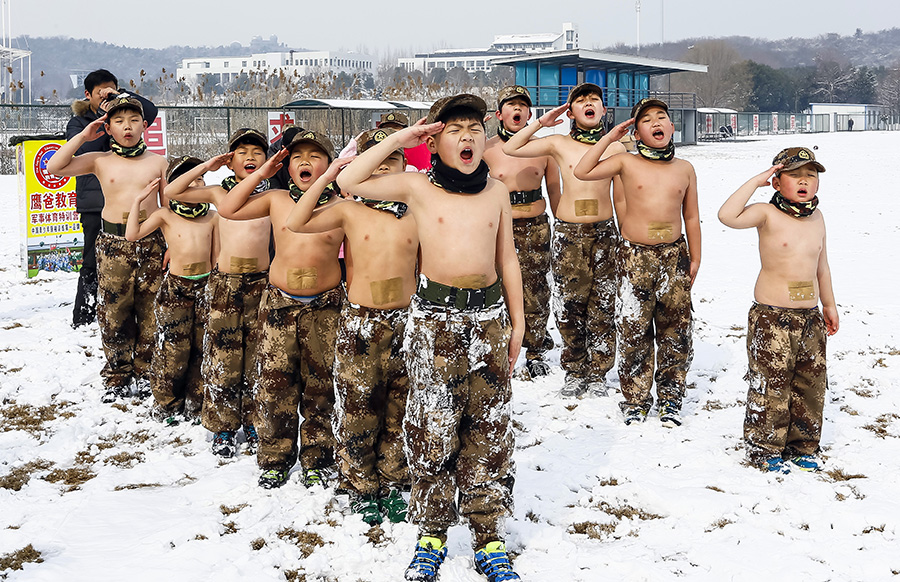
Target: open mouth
249 168
517 118
305 175
802 191
659 134
589 113
466 155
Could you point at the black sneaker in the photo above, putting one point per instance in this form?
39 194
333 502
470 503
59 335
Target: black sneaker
537 367
669 415
142 388
114 393
273 478
224 444
314 477
573 387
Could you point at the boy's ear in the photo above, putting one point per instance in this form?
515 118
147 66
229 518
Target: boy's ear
431 144
87 94
569 113
776 182
146 125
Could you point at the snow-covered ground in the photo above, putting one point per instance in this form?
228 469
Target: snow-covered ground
105 493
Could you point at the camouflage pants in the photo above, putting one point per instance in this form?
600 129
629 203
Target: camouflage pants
787 378
294 366
532 238
585 296
370 385
175 368
129 274
654 303
457 429
229 349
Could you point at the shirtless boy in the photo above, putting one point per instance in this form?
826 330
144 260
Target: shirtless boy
370 378
299 316
584 241
786 332
233 293
129 273
190 232
531 228
459 344
656 266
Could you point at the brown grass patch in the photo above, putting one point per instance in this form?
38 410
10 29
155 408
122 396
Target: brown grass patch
627 511
257 544
571 407
710 405
840 475
874 528
846 409
15 560
880 426
19 477
199 537
532 516
294 576
230 528
131 486
74 477
13 325
611 482
125 459
854 492
230 509
30 419
375 535
306 541
714 488
718 524
593 530
863 392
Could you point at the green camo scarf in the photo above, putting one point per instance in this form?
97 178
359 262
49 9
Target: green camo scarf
190 211
795 209
588 136
398 209
230 182
128 152
324 198
665 154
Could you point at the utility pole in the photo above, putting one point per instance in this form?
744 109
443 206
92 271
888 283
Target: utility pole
637 10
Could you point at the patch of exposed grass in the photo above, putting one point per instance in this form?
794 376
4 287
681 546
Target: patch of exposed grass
74 477
15 560
611 482
571 407
230 509
627 511
28 418
880 426
19 477
874 528
13 325
714 488
840 475
130 486
306 541
863 392
854 492
257 544
719 524
849 410
593 530
294 576
375 535
532 516
710 405
125 459
230 528
200 537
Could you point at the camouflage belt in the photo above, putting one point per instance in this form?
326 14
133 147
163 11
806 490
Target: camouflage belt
115 228
459 297
523 197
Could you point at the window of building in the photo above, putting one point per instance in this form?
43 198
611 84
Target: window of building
243 63
225 64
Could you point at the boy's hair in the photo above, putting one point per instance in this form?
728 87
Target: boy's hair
513 92
585 89
123 102
247 136
793 158
458 107
99 77
647 103
181 165
299 136
373 137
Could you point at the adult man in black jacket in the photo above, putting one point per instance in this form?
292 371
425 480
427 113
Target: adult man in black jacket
99 86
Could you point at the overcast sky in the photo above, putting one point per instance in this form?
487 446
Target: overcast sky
424 25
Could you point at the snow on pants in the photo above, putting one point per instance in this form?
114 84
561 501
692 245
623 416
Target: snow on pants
294 366
128 277
584 259
371 386
175 368
654 304
787 379
457 427
532 239
229 349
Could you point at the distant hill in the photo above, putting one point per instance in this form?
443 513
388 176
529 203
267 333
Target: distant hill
873 49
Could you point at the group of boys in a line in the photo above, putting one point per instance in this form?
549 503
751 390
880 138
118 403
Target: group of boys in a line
395 361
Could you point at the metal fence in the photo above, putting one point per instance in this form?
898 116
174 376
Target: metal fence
197 131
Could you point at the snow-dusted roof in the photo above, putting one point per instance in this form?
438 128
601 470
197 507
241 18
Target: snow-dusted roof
527 38
342 103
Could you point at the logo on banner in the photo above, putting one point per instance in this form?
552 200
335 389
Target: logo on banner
48 180
277 121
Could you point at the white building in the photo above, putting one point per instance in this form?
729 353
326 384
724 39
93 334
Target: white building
480 59
224 70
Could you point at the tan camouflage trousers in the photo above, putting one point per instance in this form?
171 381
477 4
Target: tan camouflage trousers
787 378
371 386
654 304
229 349
175 368
584 272
294 366
532 238
457 428
129 275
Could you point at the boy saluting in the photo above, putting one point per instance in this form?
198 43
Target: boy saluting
460 347
656 266
129 273
786 332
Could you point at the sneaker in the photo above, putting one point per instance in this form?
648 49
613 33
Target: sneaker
573 387
776 465
367 508
314 477
393 506
669 415
252 439
598 388
113 393
807 463
224 444
493 562
142 388
634 414
273 478
430 554
537 367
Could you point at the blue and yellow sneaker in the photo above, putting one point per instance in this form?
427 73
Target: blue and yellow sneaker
493 563
430 554
776 465
807 463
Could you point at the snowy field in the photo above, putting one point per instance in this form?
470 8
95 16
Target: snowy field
104 493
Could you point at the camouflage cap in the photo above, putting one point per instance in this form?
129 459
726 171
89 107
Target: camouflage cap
247 135
445 104
123 101
393 117
300 136
793 158
372 138
584 89
647 103
513 92
181 165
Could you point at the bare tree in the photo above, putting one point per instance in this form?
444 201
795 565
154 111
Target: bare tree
720 86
